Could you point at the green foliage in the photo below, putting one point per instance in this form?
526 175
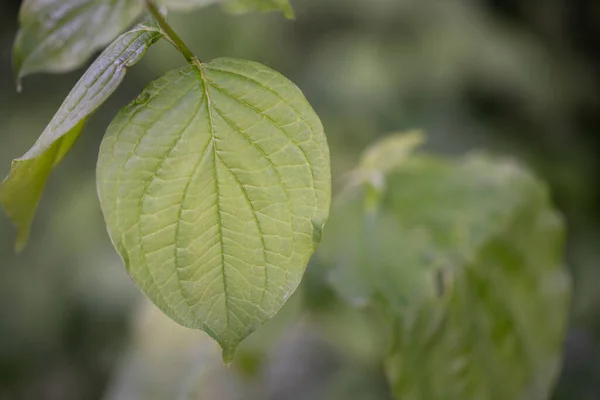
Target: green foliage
465 260
215 186
21 191
389 153
61 35
236 124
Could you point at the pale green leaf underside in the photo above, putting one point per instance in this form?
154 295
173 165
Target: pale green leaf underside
379 159
390 152
215 185
60 35
21 190
496 329
466 259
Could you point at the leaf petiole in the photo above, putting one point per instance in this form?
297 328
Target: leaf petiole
170 34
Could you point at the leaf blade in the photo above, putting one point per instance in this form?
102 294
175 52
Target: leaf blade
465 259
22 189
59 36
217 242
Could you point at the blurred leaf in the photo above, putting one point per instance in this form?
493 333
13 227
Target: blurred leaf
382 157
60 35
215 186
242 6
466 260
389 153
21 191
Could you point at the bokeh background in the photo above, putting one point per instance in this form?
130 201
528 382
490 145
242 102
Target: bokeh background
515 77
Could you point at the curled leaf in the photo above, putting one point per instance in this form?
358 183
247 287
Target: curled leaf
22 189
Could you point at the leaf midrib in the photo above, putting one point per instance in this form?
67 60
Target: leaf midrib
266 116
217 191
147 185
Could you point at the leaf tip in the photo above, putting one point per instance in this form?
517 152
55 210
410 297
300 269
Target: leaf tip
289 13
22 238
18 85
17 64
18 78
20 245
228 352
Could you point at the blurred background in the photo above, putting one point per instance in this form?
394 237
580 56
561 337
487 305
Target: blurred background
515 77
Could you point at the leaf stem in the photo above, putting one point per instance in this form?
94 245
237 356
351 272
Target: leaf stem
171 35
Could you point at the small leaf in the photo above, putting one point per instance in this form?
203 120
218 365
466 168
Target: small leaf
60 35
466 261
212 187
379 159
390 152
22 189
242 6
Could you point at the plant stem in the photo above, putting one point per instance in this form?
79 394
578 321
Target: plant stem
171 35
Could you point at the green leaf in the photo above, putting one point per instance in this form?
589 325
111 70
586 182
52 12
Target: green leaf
242 6
465 259
22 189
379 159
60 35
215 186
390 152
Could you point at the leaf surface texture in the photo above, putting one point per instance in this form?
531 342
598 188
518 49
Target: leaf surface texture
215 186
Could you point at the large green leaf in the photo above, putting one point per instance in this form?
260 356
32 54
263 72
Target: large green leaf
215 186
60 35
466 261
22 189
